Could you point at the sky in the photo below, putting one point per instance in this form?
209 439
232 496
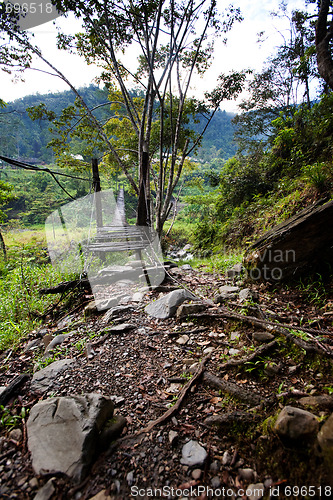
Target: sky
241 52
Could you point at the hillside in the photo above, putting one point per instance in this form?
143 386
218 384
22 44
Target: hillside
21 137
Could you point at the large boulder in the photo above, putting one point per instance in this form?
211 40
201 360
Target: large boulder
63 433
297 244
166 306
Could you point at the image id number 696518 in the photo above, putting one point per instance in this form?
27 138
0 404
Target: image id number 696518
308 491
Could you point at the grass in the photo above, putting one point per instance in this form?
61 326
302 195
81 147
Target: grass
25 272
217 262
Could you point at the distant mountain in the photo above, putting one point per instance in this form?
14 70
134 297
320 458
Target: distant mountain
24 139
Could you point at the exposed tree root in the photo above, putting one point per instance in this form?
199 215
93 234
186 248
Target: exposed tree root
233 389
179 401
258 352
238 417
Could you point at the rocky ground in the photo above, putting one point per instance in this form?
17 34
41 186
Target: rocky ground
218 400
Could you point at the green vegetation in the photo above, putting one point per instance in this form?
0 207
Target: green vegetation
21 276
8 420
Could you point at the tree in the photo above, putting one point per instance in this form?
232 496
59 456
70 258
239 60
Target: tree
324 41
282 85
5 197
173 41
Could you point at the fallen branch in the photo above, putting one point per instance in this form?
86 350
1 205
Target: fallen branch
239 417
65 286
233 389
12 388
179 401
246 359
310 347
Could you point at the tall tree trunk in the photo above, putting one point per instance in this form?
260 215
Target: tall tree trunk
143 210
3 246
324 35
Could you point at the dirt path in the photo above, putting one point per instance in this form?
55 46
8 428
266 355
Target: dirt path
144 370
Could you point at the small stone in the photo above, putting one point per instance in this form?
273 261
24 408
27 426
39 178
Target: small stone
271 369
21 481
15 434
247 474
234 336
233 351
124 327
46 492
130 478
33 483
215 466
193 368
196 474
193 454
188 309
226 458
228 291
183 340
208 350
172 436
215 482
255 491
262 337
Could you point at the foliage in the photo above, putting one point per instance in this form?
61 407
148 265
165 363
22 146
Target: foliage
175 41
8 420
21 307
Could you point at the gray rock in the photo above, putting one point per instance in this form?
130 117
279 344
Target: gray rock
130 478
227 290
33 344
173 435
138 297
124 327
245 294
47 377
63 433
187 309
116 311
58 340
186 267
15 434
193 454
257 491
183 339
215 482
196 474
233 352
262 337
226 458
325 440
247 474
166 306
296 424
322 401
46 491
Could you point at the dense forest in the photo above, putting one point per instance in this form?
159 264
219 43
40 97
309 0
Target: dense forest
22 137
